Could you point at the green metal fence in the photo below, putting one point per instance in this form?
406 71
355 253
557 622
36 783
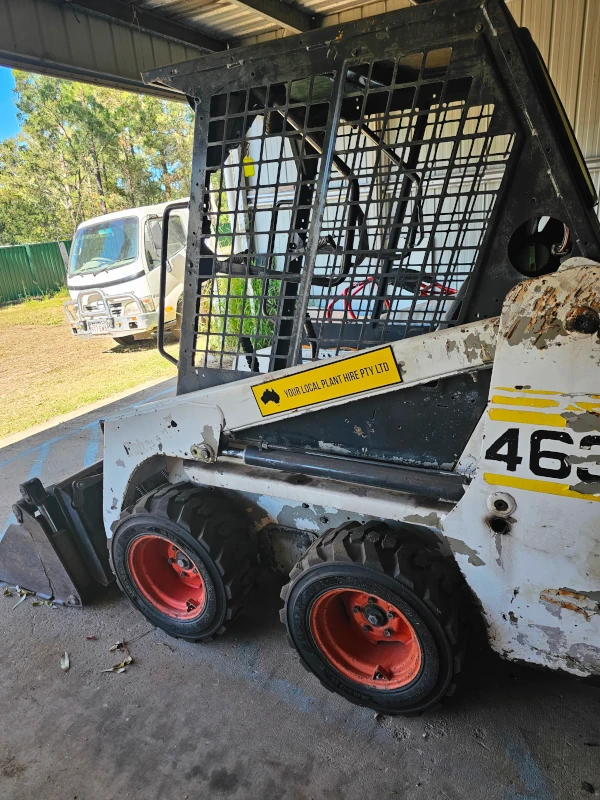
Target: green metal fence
31 270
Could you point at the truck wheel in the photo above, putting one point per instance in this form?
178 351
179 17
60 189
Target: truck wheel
185 559
375 615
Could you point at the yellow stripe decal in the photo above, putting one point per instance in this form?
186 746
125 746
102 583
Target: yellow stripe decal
588 406
527 391
534 402
532 485
527 417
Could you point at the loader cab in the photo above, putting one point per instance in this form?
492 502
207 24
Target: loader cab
113 278
359 197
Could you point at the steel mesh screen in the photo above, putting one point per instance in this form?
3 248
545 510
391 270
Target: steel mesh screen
306 265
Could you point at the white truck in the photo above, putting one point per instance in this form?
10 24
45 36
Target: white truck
113 274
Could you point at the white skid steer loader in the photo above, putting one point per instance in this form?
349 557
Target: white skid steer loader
388 377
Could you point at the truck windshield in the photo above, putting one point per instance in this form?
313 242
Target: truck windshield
104 245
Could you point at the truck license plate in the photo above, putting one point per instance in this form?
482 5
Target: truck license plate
99 326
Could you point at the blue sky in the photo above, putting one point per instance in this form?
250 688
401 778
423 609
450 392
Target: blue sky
8 113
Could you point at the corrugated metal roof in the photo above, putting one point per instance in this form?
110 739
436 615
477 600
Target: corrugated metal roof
105 41
220 18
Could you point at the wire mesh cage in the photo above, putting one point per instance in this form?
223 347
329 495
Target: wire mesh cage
345 210
352 189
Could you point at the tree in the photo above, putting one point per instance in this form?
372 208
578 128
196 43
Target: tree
83 151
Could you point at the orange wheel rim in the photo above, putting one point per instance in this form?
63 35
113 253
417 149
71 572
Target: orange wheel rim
368 640
167 577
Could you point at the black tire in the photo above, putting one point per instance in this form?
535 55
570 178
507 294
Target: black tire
202 524
406 572
124 340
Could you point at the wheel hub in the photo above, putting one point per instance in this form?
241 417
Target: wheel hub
366 639
375 615
166 576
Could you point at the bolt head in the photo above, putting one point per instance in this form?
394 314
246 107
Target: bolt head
367 628
391 615
203 452
357 609
387 632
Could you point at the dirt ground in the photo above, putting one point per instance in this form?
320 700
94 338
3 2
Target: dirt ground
46 371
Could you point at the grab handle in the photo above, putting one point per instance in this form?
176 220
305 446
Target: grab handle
162 291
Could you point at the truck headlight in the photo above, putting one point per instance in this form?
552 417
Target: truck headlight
133 308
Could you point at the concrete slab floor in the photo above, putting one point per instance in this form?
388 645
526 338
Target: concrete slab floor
240 718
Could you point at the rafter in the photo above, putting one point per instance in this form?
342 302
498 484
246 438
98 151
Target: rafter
281 13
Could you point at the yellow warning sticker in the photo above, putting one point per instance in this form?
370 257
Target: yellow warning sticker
353 375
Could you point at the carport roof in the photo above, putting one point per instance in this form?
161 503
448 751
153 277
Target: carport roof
112 42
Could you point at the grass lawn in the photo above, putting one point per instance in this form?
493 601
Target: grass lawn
46 371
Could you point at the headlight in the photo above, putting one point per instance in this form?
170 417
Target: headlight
133 308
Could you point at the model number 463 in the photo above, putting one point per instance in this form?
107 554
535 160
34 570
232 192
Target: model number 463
506 449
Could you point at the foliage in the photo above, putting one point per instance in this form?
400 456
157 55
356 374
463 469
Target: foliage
84 151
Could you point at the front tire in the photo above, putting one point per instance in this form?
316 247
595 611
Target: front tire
376 616
185 559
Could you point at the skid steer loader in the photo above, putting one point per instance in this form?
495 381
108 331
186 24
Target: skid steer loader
388 382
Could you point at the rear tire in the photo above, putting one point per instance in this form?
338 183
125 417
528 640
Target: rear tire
376 615
185 559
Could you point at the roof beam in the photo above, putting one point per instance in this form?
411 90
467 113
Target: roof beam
129 14
282 14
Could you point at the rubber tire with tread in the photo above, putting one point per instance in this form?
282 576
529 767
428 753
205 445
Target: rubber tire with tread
403 569
203 524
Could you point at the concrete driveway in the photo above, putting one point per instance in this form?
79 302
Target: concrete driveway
239 718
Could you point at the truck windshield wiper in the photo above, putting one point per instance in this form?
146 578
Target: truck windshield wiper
104 267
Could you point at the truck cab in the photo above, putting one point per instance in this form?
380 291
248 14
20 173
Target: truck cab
113 274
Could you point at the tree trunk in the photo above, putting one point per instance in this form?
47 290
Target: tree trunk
98 177
166 180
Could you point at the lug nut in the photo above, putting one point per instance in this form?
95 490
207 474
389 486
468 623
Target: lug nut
391 615
367 628
357 609
372 600
387 632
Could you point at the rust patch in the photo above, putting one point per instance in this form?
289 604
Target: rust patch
538 320
580 602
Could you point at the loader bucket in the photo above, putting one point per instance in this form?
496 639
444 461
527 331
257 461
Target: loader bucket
57 546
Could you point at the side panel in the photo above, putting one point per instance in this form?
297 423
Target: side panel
527 532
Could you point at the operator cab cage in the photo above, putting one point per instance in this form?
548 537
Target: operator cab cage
359 184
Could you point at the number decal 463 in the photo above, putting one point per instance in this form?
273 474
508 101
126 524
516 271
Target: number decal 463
540 456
